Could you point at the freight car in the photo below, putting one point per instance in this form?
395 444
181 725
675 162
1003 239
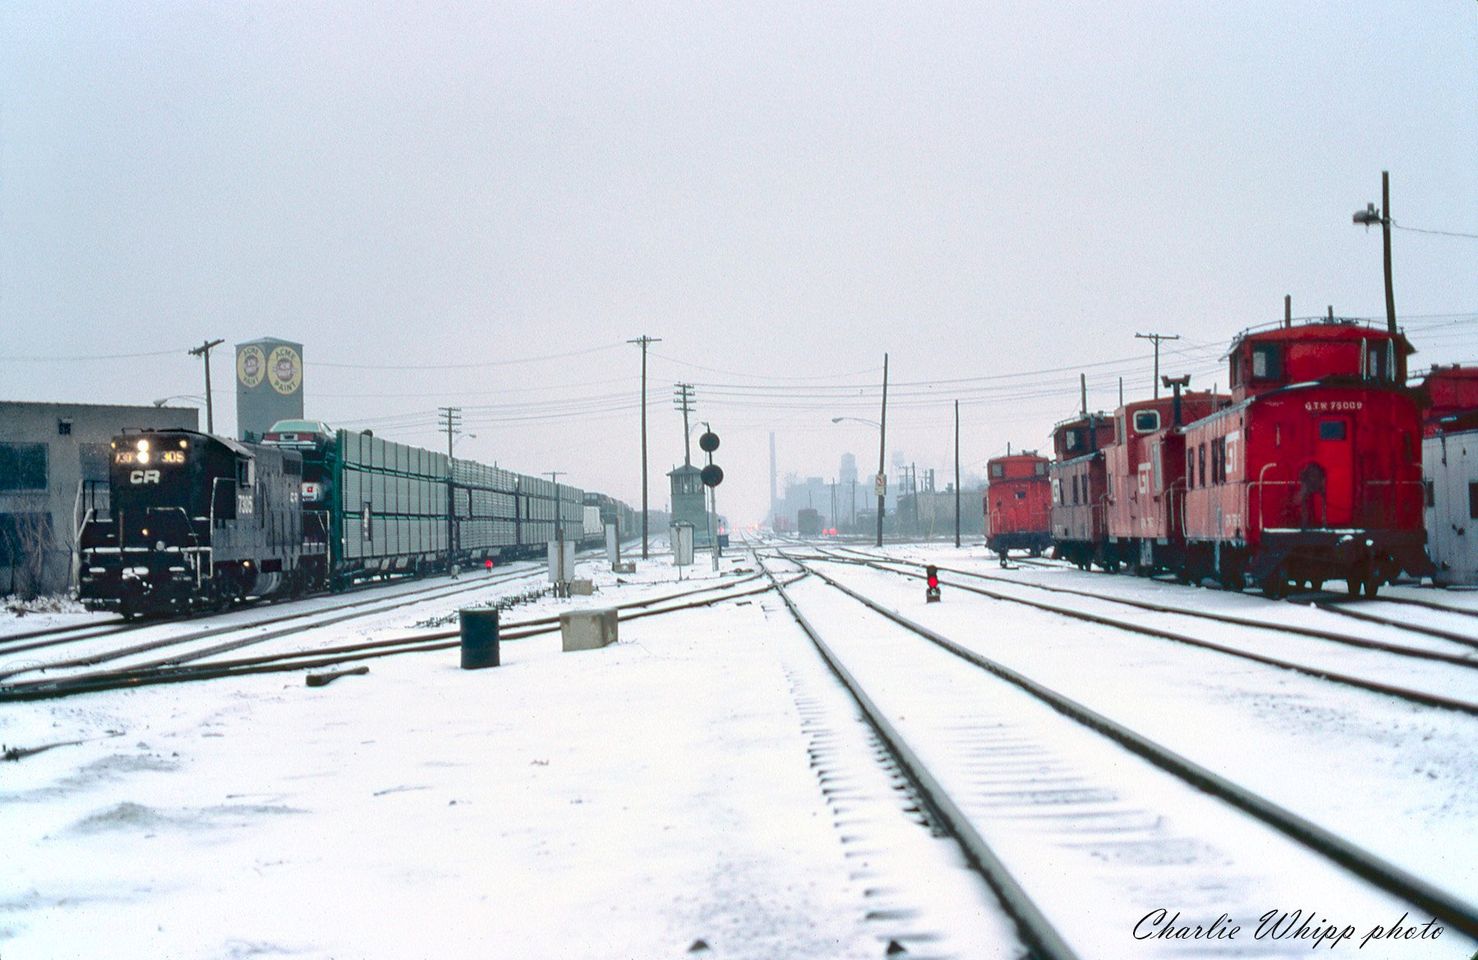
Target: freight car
1314 472
385 508
1145 467
196 522
1450 473
1018 504
1079 488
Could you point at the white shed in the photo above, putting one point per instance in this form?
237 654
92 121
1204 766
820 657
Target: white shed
1450 468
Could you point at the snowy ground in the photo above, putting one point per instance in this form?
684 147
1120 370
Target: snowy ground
704 780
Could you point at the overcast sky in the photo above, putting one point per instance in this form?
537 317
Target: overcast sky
425 193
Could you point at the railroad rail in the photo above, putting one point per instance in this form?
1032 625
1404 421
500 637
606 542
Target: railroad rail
1348 855
1405 693
165 672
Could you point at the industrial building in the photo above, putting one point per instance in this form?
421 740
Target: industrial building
53 465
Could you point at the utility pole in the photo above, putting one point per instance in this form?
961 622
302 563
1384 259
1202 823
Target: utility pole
449 418
644 340
203 351
1157 337
1383 216
682 399
882 477
957 474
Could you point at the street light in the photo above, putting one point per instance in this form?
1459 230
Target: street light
1370 215
881 480
179 396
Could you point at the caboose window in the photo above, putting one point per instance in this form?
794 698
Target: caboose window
1331 430
998 470
1376 363
1074 440
1146 421
1201 466
1190 467
1040 469
1267 361
1021 494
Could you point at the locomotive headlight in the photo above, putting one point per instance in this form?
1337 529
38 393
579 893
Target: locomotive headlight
143 455
142 445
184 444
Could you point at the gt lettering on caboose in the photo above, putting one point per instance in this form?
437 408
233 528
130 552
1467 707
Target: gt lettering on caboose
1333 406
144 476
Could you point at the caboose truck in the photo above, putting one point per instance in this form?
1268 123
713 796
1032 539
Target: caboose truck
196 521
1314 472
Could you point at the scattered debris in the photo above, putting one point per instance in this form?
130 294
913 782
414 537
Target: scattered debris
324 679
20 753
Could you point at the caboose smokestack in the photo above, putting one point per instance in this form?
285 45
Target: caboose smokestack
1287 310
1083 392
1176 384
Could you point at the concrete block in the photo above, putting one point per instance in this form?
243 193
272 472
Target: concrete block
588 629
581 588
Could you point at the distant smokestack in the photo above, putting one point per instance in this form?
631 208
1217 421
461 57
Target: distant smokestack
773 491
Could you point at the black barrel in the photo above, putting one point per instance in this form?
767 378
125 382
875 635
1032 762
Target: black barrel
479 638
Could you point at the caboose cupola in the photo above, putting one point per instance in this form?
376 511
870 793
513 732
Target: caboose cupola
1323 349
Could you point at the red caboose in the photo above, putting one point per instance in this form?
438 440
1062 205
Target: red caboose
1079 486
1314 472
1446 391
1018 504
1146 479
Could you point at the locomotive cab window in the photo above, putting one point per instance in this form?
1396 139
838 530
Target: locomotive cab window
1146 421
245 472
1267 361
1332 430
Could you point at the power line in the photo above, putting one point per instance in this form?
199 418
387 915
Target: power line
1439 233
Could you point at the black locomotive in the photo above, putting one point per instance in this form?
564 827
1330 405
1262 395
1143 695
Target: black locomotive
195 522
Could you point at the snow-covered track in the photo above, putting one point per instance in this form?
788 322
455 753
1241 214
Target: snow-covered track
1348 855
1459 659
1413 695
313 618
185 669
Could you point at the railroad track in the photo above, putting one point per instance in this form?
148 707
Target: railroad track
1431 698
1461 659
1037 789
189 667
56 636
313 618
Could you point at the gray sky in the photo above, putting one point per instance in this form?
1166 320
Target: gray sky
779 191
